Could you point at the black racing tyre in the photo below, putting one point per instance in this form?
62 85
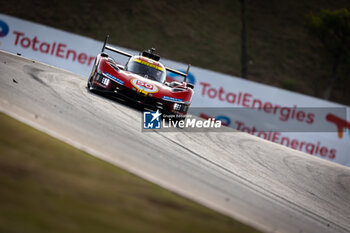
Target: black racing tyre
89 84
93 72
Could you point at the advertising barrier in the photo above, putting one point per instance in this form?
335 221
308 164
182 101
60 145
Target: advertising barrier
317 127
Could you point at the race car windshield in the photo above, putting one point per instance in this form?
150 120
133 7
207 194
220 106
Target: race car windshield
146 70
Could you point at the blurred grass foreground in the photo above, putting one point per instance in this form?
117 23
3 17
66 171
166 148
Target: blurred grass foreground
49 186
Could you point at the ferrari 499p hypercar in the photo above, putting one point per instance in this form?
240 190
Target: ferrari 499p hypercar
141 80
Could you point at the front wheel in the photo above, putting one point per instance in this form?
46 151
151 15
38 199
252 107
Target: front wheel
92 74
89 84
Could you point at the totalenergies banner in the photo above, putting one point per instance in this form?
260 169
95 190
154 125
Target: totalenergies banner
317 127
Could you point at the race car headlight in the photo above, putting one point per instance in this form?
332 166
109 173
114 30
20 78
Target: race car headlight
177 107
105 81
102 79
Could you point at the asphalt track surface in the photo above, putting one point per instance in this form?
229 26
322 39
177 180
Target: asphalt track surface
268 186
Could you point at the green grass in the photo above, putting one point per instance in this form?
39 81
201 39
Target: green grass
206 34
49 186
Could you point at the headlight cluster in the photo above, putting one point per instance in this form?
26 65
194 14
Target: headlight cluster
102 80
180 107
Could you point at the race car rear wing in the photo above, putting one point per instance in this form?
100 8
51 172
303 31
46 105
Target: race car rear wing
105 46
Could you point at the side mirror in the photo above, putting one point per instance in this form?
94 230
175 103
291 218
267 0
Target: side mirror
174 84
190 85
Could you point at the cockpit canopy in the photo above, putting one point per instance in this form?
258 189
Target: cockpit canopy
147 68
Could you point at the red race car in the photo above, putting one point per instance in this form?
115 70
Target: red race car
141 80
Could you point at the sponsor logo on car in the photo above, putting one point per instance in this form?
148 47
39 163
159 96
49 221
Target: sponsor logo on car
114 78
4 29
143 86
153 65
172 99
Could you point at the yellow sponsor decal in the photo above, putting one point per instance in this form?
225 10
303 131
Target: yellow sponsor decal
149 64
141 92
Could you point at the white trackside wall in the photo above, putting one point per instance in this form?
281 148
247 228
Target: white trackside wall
297 121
